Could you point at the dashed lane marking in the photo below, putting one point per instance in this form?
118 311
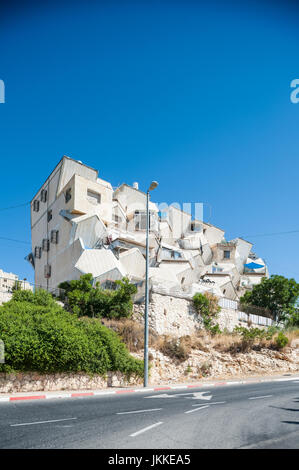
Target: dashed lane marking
42 422
138 411
257 398
146 429
196 409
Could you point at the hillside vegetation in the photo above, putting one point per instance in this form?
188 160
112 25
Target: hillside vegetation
39 335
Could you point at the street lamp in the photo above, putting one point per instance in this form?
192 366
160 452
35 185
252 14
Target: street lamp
153 186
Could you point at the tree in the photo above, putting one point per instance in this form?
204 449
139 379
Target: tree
83 299
277 293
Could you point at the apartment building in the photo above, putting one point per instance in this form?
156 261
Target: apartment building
81 224
8 281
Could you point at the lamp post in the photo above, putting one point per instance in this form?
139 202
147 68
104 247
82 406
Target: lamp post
153 185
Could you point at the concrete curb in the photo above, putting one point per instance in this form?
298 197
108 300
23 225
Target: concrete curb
137 390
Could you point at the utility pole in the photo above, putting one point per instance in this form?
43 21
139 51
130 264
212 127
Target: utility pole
153 185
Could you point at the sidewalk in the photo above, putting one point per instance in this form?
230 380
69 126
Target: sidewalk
117 391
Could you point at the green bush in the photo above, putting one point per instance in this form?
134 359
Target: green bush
250 334
207 306
281 340
83 299
46 338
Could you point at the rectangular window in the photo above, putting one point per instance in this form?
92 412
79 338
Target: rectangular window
226 254
195 227
43 195
49 215
68 195
54 236
93 197
37 252
47 271
140 220
36 205
46 244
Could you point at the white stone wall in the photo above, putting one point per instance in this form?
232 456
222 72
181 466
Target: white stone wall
34 381
170 315
176 316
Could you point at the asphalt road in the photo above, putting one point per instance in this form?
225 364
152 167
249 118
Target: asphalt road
261 415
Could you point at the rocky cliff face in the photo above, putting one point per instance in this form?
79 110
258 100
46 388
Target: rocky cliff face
216 365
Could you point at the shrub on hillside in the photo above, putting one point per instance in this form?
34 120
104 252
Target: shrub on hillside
46 338
207 306
281 340
176 348
131 333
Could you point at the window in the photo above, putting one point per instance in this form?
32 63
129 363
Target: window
47 271
140 220
68 195
111 285
54 236
46 244
49 215
116 218
195 227
175 255
36 205
226 254
93 197
43 195
37 252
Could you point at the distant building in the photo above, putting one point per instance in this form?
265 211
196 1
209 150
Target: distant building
80 224
8 281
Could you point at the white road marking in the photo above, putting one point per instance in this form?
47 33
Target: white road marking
196 395
213 403
196 409
42 422
257 398
146 429
138 411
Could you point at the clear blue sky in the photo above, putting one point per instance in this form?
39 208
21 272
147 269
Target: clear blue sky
197 97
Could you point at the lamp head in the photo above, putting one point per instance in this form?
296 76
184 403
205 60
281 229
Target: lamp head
153 185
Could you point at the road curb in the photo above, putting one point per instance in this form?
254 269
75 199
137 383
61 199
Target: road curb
136 390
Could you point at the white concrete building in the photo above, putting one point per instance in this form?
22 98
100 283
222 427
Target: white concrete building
8 281
80 224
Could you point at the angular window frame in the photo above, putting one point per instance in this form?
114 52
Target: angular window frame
44 195
38 252
55 236
68 195
46 244
36 205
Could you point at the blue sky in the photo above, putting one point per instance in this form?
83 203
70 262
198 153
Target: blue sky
195 96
